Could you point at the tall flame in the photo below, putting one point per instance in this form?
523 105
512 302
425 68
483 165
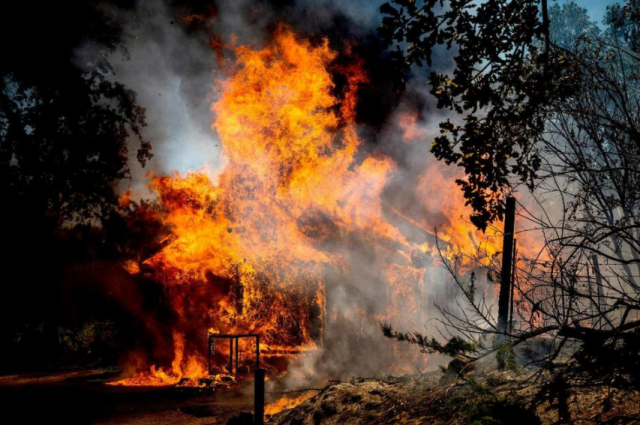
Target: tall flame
251 245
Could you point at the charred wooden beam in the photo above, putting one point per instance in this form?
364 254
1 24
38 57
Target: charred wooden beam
230 356
239 292
316 319
237 351
232 337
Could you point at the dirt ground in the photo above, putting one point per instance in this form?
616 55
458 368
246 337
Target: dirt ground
81 397
494 397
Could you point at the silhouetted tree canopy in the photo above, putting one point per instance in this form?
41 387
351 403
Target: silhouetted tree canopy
65 132
505 76
64 125
579 293
625 19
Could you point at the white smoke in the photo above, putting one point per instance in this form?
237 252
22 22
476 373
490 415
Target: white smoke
173 75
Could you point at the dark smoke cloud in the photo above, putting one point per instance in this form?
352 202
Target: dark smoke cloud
173 68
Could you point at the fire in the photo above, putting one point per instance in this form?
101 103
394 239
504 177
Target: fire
408 123
286 403
257 226
251 244
459 234
190 368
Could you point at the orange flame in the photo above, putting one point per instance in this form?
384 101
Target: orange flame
248 253
286 402
181 367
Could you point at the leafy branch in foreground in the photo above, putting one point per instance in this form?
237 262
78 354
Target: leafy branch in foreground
577 285
454 347
505 77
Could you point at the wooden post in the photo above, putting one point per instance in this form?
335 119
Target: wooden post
258 406
210 354
513 283
507 258
237 349
600 292
230 356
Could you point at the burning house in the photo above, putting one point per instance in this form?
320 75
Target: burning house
291 239
286 194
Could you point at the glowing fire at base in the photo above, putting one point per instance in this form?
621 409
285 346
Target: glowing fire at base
184 372
286 402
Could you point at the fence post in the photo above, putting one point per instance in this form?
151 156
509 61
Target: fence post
259 397
210 354
507 259
513 282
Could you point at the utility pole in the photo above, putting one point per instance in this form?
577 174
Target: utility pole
507 260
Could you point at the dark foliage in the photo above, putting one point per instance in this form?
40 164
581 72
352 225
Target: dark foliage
65 133
577 298
453 347
503 80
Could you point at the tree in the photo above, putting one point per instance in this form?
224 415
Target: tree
505 76
65 132
64 124
580 293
